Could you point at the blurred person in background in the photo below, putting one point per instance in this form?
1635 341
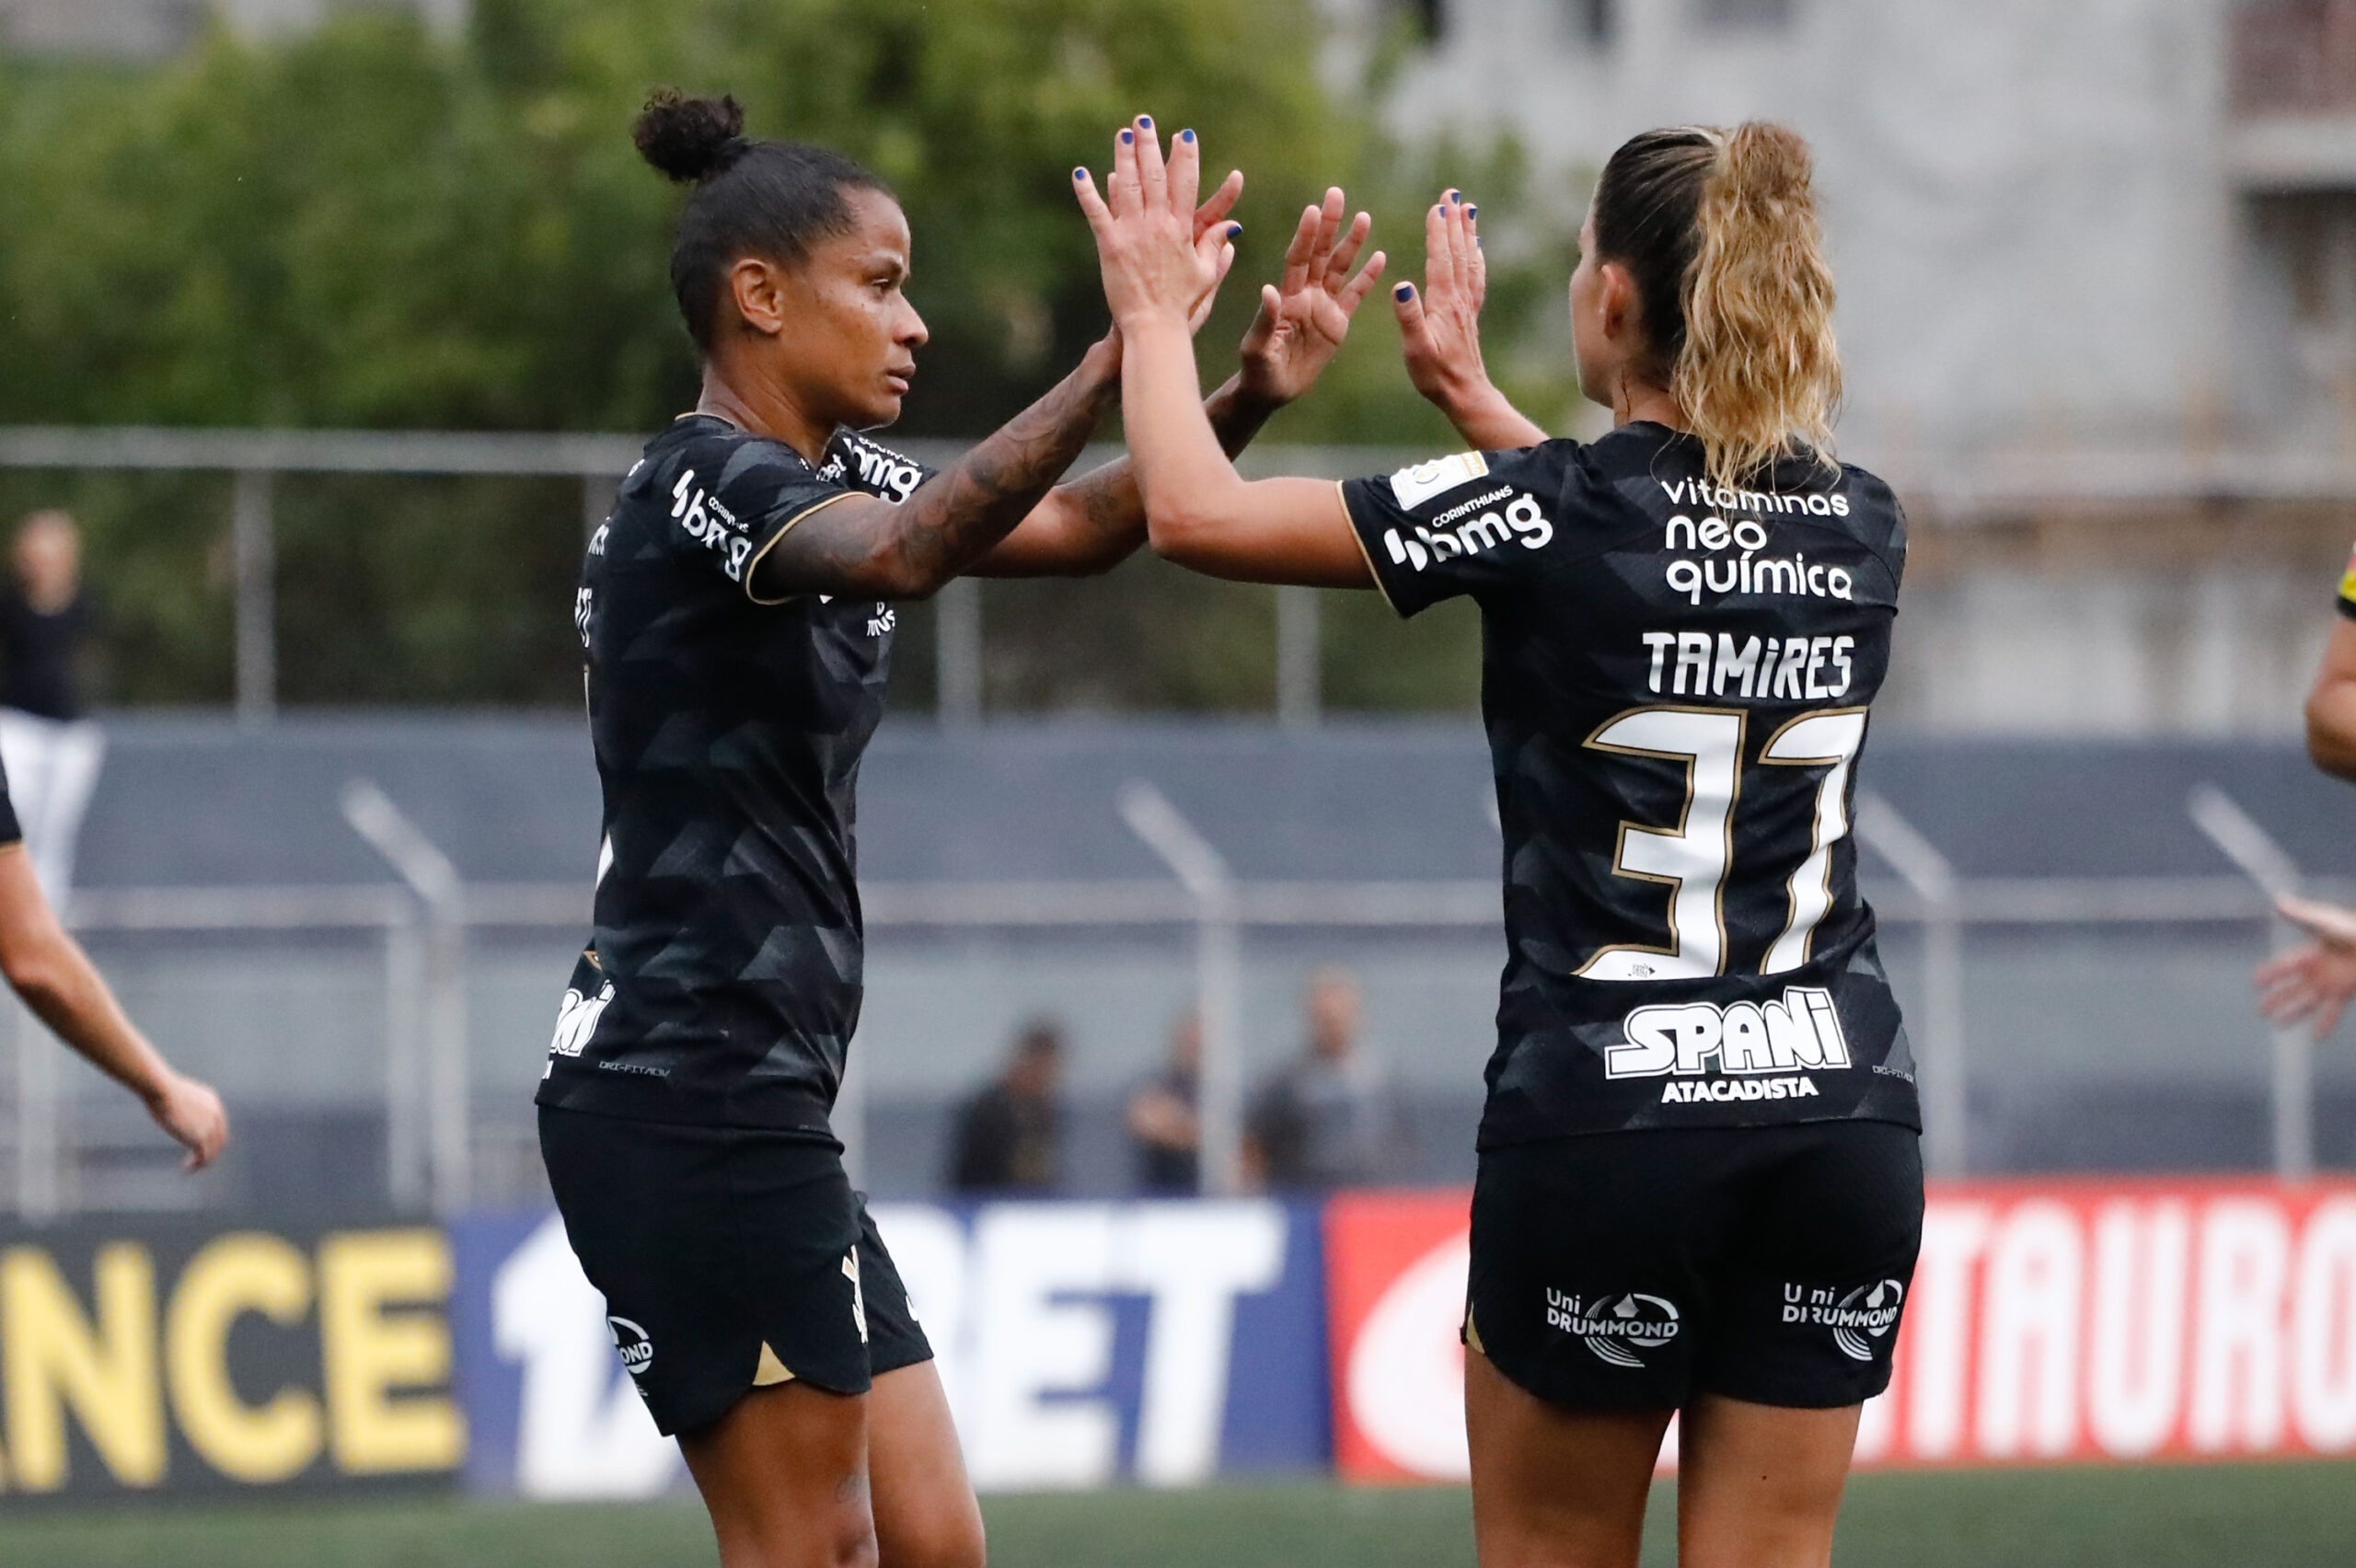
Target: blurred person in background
1164 1115
1328 1118
1010 1134
51 747
736 612
2313 984
51 974
1700 1098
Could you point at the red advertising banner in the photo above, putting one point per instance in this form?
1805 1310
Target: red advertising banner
2049 1321
1395 1298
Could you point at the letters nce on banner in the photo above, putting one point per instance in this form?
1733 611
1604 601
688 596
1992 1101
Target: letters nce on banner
2049 1321
191 1356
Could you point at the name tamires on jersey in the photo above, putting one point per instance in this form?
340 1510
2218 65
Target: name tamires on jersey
724 978
1675 680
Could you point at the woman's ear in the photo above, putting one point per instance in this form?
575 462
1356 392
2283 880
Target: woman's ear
1617 305
758 287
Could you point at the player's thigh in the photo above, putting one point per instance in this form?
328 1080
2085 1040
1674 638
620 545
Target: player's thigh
783 1474
1758 1486
925 1513
1555 1488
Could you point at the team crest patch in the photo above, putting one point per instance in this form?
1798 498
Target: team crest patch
1413 485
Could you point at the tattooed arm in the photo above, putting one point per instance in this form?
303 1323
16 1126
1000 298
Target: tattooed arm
909 549
1097 521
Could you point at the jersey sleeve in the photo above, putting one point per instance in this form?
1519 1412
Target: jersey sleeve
854 466
1475 523
2346 601
730 497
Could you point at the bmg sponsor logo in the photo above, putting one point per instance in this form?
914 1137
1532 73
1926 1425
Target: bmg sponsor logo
1616 1328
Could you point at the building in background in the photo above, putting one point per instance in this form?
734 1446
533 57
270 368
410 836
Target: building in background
2097 268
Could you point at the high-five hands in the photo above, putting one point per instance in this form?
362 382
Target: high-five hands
1300 324
1157 262
1440 331
1439 328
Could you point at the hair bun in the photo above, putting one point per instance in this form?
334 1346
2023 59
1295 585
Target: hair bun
689 139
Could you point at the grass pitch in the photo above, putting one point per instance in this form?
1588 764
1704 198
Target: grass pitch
2282 1515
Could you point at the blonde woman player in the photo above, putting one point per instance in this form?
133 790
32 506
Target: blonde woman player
1699 1184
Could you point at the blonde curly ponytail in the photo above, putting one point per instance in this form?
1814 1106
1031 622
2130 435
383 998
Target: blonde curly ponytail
1719 230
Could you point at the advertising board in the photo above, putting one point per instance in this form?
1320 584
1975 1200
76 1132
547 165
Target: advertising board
1080 1343
2049 1321
186 1356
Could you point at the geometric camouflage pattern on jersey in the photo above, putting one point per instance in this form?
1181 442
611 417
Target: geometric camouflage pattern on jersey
1675 680
723 978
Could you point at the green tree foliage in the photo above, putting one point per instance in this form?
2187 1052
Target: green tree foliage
370 227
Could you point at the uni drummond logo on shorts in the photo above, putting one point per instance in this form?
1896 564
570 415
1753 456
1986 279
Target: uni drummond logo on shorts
1859 1320
1615 1328
637 1349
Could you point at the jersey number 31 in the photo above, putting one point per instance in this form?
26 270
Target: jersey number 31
1695 859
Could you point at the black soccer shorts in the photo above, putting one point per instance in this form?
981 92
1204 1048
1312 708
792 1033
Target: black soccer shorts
729 1258
1631 1270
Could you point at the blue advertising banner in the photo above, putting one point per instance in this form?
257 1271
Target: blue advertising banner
1081 1345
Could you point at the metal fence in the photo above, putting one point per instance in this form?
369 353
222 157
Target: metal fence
437 1133
1957 489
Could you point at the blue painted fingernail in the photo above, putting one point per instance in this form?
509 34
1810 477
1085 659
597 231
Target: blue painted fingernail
1472 212
1080 174
1185 135
1404 291
1454 195
1235 231
1145 121
1128 136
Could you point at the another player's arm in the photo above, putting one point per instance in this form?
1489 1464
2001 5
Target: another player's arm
1199 512
1440 332
48 968
2331 704
1094 523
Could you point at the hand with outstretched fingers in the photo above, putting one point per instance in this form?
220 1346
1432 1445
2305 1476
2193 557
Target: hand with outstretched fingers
1155 259
1440 329
1303 321
2315 982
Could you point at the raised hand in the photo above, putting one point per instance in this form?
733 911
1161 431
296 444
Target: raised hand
1154 260
1440 329
1301 324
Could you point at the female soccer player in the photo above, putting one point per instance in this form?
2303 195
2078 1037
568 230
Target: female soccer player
737 610
1699 1186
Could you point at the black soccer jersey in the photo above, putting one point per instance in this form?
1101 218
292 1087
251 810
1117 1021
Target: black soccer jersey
724 980
1675 680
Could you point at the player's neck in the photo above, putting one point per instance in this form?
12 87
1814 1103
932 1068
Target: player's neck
1634 400
764 408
